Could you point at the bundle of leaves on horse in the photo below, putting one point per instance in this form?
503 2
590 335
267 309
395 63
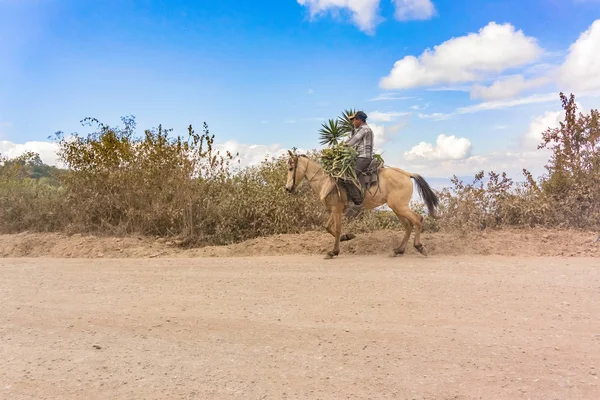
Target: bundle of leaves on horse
392 186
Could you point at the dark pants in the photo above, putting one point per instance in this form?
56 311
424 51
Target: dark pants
362 163
354 193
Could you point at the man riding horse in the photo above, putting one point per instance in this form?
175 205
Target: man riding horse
361 138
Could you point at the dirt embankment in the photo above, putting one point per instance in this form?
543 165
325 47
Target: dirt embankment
507 242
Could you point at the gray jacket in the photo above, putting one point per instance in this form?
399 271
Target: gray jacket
362 140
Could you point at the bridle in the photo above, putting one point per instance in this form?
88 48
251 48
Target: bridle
294 173
295 170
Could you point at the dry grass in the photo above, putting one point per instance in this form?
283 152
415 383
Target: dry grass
119 184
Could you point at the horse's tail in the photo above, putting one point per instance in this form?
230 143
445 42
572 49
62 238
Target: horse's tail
429 197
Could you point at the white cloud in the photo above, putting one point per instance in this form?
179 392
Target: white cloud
383 134
414 9
580 69
500 104
437 116
446 148
390 96
510 162
494 105
549 120
379 116
251 154
495 48
578 74
533 136
364 12
545 68
453 88
46 150
422 158
506 87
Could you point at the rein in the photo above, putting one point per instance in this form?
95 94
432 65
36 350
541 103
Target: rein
296 170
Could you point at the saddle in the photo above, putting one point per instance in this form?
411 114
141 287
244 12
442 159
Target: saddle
366 178
369 176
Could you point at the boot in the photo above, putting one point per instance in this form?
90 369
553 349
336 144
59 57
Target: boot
355 205
353 210
354 193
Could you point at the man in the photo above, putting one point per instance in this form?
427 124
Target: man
362 139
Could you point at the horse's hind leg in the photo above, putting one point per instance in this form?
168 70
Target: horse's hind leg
416 220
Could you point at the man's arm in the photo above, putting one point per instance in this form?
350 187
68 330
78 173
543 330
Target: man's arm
362 131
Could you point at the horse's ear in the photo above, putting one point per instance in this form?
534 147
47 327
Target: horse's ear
290 153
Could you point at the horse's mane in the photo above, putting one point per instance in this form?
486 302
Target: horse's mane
303 156
310 159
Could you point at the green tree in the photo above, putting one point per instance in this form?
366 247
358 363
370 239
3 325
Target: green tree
333 131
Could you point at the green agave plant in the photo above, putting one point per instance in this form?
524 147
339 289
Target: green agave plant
344 120
331 133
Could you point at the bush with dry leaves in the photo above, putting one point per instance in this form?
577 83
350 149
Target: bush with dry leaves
567 196
118 183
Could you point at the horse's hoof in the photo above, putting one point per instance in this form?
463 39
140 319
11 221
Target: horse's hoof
421 249
398 252
331 254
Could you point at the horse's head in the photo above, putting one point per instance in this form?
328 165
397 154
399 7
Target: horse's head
295 173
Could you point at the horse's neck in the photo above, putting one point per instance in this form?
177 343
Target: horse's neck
316 176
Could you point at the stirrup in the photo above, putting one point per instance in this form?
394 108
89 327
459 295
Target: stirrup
353 210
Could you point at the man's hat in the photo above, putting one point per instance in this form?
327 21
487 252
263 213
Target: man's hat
360 115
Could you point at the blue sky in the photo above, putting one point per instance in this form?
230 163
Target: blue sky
266 73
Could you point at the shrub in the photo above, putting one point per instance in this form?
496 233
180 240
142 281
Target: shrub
30 195
155 184
118 183
567 197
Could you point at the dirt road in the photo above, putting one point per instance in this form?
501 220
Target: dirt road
296 327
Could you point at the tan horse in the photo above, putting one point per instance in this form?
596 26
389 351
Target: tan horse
394 188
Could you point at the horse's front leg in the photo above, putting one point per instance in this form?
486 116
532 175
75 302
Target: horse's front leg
343 238
336 230
329 225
